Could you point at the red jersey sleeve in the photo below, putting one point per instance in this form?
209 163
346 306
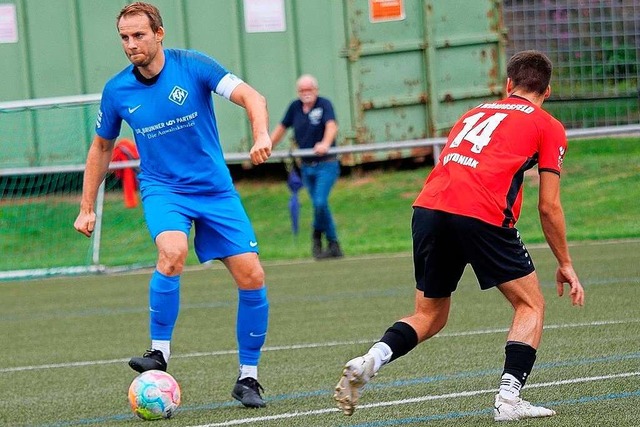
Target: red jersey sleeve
553 146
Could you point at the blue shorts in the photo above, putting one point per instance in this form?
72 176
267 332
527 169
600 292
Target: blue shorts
222 228
444 243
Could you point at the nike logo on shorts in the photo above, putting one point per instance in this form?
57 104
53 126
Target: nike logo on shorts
251 334
253 244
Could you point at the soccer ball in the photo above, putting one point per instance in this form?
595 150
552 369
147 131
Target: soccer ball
154 395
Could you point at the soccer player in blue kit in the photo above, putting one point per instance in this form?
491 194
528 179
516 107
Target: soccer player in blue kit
165 97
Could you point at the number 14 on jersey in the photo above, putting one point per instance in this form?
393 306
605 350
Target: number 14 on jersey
478 134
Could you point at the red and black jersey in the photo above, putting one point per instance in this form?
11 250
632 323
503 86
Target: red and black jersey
481 169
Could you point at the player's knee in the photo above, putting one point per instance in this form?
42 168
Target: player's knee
533 309
171 260
536 304
251 278
540 308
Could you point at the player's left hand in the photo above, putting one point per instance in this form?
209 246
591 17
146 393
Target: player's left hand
261 150
566 274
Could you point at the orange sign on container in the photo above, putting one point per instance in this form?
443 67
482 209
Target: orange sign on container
386 10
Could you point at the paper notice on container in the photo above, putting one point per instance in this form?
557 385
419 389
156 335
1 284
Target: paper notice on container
264 16
8 23
386 10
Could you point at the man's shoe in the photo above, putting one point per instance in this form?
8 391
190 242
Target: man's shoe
518 409
151 359
247 391
356 373
333 251
316 246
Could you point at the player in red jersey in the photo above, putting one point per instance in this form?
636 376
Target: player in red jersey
465 214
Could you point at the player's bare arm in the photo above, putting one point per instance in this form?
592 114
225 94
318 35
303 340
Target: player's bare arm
554 229
96 168
256 106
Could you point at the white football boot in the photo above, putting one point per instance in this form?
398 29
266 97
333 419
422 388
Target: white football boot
518 409
356 373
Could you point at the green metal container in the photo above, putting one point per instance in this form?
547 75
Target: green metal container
400 79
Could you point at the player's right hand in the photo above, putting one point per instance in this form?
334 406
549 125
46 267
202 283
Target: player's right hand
261 150
85 222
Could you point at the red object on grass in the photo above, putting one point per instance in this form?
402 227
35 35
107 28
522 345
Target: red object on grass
125 150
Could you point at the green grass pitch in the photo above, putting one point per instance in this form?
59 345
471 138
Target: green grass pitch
65 343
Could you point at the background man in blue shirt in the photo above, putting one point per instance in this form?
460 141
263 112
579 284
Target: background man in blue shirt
165 97
314 126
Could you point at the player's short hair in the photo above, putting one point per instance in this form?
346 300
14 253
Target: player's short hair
530 70
142 8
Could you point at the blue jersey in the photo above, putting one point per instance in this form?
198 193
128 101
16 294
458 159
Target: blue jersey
173 122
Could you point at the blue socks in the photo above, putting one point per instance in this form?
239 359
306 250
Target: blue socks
251 324
164 304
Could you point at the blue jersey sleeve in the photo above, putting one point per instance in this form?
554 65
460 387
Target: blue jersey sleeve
207 69
108 121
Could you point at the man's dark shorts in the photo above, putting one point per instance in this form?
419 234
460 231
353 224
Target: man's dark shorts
444 243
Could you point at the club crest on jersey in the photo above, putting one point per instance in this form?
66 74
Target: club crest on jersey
178 95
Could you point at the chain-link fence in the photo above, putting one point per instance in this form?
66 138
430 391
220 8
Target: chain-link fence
595 48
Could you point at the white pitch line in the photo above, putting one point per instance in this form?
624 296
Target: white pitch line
413 400
308 346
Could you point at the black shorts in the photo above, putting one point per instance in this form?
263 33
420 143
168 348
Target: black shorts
444 243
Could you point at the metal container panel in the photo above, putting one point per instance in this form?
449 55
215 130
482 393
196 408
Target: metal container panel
466 57
389 81
412 78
